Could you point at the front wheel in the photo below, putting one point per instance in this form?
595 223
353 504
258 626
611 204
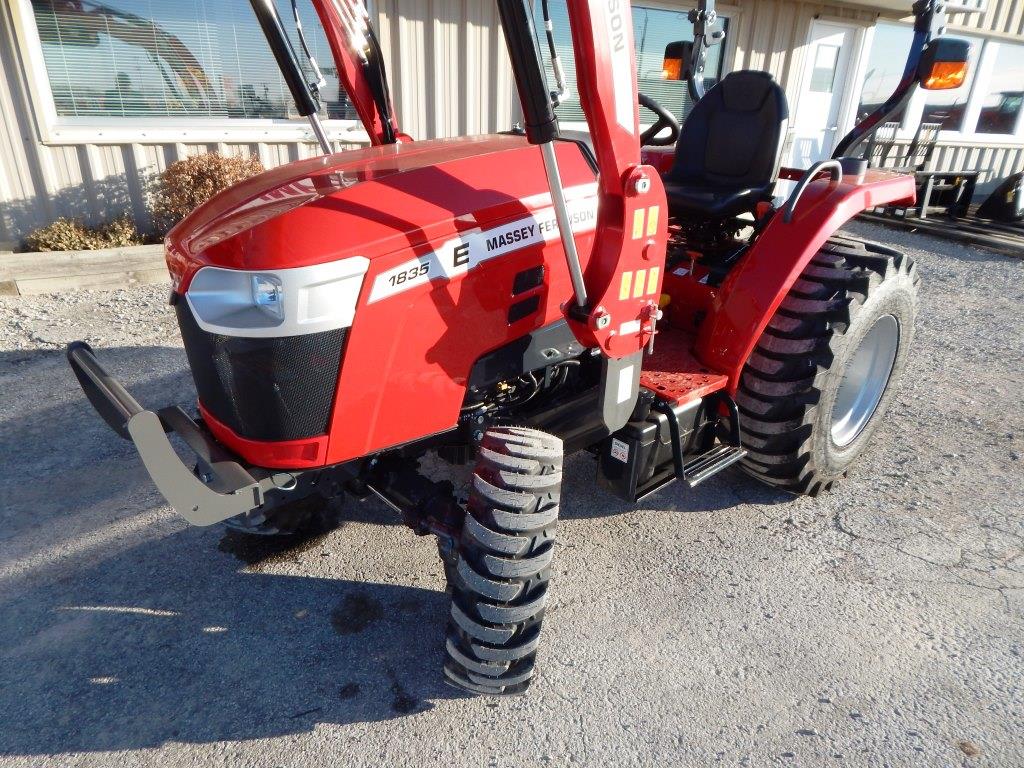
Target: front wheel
826 367
499 579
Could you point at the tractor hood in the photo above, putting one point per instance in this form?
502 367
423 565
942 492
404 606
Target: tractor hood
368 202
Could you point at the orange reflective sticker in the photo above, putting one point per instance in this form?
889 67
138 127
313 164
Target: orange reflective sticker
652 279
626 286
638 223
652 220
640 283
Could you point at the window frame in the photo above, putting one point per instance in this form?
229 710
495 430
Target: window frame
729 12
54 129
975 98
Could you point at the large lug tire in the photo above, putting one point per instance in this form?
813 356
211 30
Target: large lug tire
826 368
499 582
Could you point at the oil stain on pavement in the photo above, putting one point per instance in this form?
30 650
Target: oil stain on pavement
356 612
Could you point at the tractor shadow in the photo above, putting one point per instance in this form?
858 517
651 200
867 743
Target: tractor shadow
169 641
122 628
57 452
583 498
170 633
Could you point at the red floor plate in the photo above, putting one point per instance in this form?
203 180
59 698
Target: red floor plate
674 374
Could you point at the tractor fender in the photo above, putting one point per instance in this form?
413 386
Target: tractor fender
747 299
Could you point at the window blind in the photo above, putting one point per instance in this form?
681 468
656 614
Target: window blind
182 59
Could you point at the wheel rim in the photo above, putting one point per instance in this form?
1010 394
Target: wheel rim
865 380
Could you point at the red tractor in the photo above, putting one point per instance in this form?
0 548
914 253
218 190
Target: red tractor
505 300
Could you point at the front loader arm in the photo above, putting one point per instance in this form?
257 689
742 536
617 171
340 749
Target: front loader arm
360 64
615 305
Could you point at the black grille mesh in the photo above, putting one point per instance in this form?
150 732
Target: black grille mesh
264 389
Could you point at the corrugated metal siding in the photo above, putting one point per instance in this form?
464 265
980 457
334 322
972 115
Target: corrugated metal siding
448 66
771 35
994 163
20 206
1003 17
450 76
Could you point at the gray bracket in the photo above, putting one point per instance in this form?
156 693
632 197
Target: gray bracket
620 388
191 497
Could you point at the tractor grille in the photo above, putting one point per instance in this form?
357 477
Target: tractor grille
264 389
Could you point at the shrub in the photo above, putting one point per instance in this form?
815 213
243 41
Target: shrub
187 184
73 235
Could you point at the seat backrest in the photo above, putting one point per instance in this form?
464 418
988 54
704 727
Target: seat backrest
732 136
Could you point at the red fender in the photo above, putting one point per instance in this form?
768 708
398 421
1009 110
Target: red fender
754 288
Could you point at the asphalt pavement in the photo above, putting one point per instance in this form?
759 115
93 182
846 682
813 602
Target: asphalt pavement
879 625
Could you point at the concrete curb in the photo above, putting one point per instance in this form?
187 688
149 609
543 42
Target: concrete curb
27 274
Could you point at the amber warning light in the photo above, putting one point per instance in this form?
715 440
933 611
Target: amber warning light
945 75
675 54
944 64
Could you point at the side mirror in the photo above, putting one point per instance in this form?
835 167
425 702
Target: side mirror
944 64
677 60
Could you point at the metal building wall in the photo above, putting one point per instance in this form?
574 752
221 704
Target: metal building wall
448 66
771 35
450 77
1001 17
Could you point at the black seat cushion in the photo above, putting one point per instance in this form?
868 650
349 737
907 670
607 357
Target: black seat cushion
728 149
712 202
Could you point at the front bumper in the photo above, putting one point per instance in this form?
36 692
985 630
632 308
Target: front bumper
216 489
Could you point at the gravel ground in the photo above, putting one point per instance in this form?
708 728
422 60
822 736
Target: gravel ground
880 625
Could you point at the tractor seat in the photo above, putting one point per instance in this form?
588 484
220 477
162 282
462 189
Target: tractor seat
727 155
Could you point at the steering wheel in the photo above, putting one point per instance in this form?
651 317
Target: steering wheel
666 119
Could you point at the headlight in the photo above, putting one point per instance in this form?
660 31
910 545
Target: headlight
267 295
283 302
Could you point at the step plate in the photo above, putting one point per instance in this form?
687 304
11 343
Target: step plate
674 374
700 468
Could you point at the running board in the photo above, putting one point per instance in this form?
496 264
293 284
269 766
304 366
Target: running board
695 469
700 468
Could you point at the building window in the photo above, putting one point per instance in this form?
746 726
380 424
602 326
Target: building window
949 108
823 76
989 106
886 60
189 59
653 29
1004 94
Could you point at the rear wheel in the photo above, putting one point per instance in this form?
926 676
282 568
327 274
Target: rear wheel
499 579
825 369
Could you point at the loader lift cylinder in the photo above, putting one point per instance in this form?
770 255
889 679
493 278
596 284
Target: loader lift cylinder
287 60
540 122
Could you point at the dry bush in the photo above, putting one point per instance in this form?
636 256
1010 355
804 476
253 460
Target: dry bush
73 235
187 184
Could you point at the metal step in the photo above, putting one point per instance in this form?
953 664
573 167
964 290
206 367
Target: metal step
700 468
